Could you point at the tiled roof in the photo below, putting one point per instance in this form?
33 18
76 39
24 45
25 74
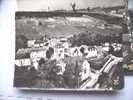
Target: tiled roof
22 56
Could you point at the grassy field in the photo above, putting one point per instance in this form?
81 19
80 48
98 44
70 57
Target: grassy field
59 26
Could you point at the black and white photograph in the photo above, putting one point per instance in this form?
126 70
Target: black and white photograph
128 42
71 45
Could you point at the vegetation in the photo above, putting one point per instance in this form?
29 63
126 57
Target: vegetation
21 42
94 39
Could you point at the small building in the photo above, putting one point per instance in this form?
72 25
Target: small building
30 43
22 60
38 54
53 42
38 43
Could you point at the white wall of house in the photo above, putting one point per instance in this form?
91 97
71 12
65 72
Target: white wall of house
86 70
23 62
38 54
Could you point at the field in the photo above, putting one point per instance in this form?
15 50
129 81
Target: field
65 24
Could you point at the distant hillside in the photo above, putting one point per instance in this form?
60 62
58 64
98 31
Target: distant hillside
35 28
101 16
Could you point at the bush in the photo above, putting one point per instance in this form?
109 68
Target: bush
21 42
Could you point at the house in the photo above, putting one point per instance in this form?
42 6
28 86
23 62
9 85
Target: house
38 43
30 43
22 60
38 54
29 56
53 42
86 70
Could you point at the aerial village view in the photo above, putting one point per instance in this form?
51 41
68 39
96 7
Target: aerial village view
77 49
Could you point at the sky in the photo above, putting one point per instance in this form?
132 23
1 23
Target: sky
45 5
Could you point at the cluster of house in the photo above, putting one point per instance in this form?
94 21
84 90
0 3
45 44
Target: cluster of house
117 11
62 48
54 42
30 57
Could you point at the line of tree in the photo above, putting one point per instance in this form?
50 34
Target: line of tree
91 39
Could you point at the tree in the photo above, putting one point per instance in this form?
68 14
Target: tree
88 9
49 52
21 42
73 5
